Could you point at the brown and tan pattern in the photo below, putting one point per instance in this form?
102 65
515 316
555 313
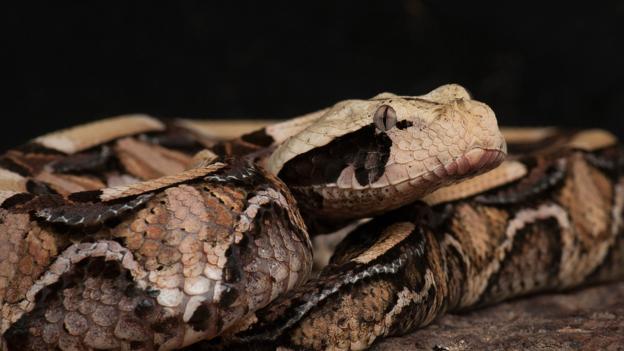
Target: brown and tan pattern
83 137
454 257
507 172
26 251
371 166
11 181
202 254
195 250
148 161
128 234
364 157
586 319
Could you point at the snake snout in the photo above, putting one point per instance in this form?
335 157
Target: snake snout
475 161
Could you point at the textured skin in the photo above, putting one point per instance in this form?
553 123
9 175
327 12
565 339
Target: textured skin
149 161
209 245
195 260
163 257
440 137
101 309
587 319
469 255
341 165
26 250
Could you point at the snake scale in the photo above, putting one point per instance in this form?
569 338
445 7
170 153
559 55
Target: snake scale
129 234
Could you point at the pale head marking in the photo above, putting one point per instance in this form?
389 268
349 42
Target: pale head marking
437 139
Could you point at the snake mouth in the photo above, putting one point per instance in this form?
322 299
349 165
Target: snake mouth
473 162
366 201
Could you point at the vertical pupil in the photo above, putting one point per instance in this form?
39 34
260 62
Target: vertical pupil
385 117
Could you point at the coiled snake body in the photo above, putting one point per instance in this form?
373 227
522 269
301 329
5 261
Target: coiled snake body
113 236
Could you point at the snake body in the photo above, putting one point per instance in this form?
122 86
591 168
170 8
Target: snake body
192 262
120 235
492 246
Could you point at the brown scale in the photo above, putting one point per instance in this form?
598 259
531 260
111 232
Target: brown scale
180 138
147 161
192 226
531 265
96 306
26 249
90 214
610 160
541 177
479 230
243 238
611 267
276 255
156 232
66 184
379 289
569 236
27 163
90 161
119 159
591 215
340 326
368 295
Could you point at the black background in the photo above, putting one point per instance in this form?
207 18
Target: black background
535 63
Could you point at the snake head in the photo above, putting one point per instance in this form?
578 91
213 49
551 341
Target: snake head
365 157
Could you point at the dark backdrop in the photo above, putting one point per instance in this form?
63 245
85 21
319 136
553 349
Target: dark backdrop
535 63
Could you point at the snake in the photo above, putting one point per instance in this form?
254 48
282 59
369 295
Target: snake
558 226
137 233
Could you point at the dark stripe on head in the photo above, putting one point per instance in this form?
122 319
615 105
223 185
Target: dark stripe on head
144 307
404 124
365 149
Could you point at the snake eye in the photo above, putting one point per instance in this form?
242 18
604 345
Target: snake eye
385 118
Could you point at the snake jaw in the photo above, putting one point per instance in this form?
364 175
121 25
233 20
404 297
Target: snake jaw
474 161
380 161
396 188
